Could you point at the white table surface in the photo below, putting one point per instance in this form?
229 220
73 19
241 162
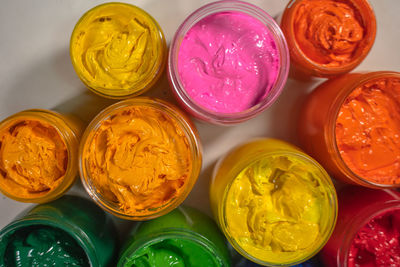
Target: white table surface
36 72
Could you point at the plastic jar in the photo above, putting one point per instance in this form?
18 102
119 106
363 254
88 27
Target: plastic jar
314 262
38 154
218 71
140 158
118 50
328 38
358 207
326 128
74 220
285 200
185 237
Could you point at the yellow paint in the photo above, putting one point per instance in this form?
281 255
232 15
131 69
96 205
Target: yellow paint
273 202
280 203
33 158
140 159
118 49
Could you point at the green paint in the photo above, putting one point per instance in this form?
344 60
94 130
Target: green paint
183 237
173 252
74 225
42 246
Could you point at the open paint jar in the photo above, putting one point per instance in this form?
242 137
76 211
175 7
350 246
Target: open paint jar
228 61
328 37
351 125
275 204
367 231
38 155
71 231
118 50
140 158
183 237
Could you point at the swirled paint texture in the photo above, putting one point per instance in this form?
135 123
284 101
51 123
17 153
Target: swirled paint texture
33 158
377 243
117 46
177 252
368 131
139 159
280 201
329 32
228 62
43 246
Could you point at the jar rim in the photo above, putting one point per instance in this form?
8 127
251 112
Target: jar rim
67 134
357 222
225 6
315 68
334 113
168 233
172 112
152 76
43 220
331 200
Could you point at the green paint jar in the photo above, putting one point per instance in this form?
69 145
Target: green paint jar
183 237
71 231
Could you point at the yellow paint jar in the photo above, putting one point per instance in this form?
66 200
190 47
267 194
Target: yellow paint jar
118 50
275 204
38 155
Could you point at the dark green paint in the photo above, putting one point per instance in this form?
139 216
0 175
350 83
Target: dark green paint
80 218
43 246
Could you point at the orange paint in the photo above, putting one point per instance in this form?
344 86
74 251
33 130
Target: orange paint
328 37
368 131
351 125
38 155
328 32
33 158
139 158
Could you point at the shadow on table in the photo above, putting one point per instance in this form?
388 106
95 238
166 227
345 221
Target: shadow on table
199 198
50 78
285 112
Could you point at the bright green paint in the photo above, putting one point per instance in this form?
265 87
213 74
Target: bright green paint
173 252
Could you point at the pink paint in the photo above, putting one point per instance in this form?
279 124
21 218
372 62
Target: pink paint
377 243
228 62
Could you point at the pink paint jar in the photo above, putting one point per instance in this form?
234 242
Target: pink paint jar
228 61
367 229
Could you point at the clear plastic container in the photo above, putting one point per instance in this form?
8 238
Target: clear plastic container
358 206
181 94
118 50
143 145
329 28
70 216
179 237
318 119
66 130
247 190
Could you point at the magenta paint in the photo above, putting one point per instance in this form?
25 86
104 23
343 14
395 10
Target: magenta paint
228 62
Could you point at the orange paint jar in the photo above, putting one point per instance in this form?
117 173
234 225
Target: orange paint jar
351 125
38 155
328 37
140 158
